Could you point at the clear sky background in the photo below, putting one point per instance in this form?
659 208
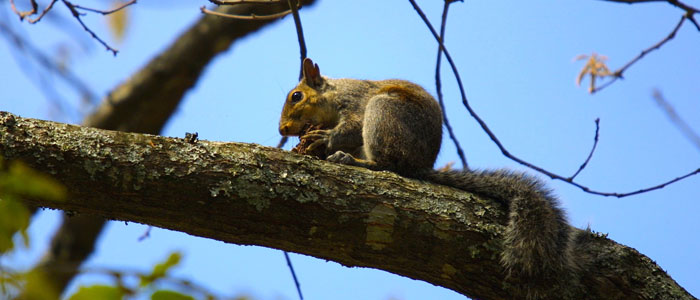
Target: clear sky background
516 61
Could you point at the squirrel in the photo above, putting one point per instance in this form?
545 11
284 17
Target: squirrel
396 125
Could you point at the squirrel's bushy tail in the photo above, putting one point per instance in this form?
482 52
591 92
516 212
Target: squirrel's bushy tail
538 240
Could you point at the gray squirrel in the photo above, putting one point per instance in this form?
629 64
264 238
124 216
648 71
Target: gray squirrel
396 125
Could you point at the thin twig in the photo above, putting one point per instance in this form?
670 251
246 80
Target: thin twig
590 154
43 13
504 150
302 52
649 189
23 14
692 20
438 87
675 3
282 142
146 234
77 15
300 35
294 275
619 72
676 119
106 12
251 17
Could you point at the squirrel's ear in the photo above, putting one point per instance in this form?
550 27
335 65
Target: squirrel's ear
312 75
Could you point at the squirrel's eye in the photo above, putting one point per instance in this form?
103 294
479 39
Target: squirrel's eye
297 96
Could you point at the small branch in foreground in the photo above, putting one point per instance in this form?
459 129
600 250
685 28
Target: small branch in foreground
505 152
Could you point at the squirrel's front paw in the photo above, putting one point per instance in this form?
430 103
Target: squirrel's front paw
319 138
342 158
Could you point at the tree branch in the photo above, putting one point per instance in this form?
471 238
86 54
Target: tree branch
507 153
254 195
172 73
144 103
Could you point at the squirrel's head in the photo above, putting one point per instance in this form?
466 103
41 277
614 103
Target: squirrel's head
306 104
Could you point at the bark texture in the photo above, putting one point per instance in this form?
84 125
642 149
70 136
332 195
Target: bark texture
254 195
143 103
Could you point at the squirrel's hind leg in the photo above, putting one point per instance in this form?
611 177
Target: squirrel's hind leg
401 135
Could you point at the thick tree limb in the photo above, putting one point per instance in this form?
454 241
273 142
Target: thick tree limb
143 104
249 194
147 99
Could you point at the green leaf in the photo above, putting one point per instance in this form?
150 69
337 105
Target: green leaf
14 217
20 180
16 181
170 295
37 286
160 269
102 292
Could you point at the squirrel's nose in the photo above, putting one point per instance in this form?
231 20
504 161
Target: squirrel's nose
284 129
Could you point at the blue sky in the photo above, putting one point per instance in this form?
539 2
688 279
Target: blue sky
516 61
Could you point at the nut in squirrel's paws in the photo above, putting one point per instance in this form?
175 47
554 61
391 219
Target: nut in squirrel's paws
306 143
342 158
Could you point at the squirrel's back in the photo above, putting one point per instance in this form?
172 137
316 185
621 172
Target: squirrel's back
402 116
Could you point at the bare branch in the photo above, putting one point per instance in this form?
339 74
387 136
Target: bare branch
438 87
302 53
590 154
505 151
675 3
43 13
77 15
23 14
676 119
107 12
617 74
300 35
74 11
294 274
692 20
